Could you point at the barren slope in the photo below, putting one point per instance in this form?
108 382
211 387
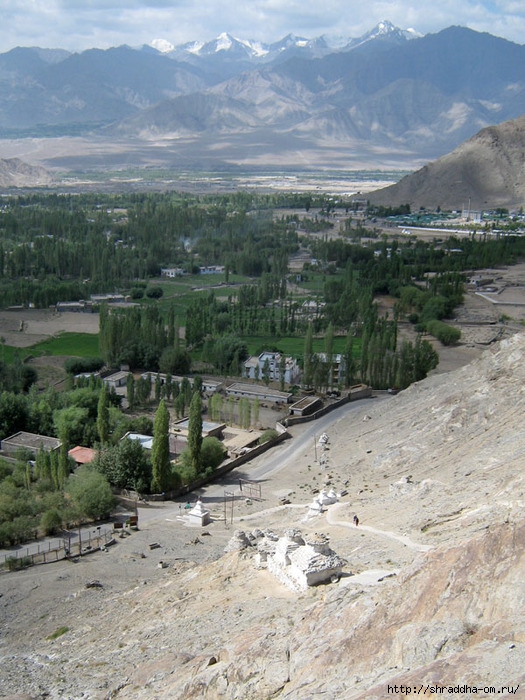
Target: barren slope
436 476
487 171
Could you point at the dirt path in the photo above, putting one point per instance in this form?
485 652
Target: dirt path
404 539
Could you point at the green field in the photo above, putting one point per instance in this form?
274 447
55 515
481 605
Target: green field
74 344
293 346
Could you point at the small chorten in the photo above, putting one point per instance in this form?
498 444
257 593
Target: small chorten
198 515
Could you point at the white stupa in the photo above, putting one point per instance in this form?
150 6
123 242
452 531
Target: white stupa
198 515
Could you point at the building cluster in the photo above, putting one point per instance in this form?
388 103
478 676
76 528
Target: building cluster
172 272
273 366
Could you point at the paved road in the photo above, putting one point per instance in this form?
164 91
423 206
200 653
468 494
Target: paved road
304 438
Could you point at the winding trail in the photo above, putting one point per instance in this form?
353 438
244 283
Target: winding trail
404 539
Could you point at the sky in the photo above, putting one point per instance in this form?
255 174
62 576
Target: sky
77 25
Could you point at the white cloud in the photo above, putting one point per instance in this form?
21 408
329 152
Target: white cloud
81 24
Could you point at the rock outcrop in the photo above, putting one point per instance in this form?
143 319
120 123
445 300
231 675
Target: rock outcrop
15 173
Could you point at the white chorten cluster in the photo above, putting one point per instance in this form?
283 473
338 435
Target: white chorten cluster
321 499
299 562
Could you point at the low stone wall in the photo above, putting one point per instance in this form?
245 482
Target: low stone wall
225 467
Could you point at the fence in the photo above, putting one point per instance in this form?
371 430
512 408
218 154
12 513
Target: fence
50 551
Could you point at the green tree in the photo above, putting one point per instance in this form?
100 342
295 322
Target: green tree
245 411
282 371
448 335
103 416
63 465
212 453
349 363
51 521
308 357
179 405
195 433
13 413
266 372
160 453
130 391
216 406
90 494
158 387
125 465
329 350
143 389
174 361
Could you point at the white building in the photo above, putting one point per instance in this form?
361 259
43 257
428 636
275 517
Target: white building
338 366
254 367
171 272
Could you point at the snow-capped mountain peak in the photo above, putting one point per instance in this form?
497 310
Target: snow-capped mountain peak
232 48
386 29
223 42
162 45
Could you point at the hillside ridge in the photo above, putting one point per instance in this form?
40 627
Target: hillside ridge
486 171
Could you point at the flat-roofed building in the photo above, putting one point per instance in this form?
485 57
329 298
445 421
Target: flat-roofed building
256 391
209 429
29 441
305 406
116 380
209 386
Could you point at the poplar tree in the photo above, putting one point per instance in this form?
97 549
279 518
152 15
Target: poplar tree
195 432
308 351
160 452
266 372
282 371
103 416
329 350
349 362
158 387
63 465
130 391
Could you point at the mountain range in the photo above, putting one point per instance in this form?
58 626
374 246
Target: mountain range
388 98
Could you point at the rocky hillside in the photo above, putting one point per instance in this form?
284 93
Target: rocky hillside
15 173
433 593
486 171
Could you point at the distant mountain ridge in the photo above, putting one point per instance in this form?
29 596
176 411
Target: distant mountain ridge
258 51
388 96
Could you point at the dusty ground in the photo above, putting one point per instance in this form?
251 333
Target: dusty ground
22 328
